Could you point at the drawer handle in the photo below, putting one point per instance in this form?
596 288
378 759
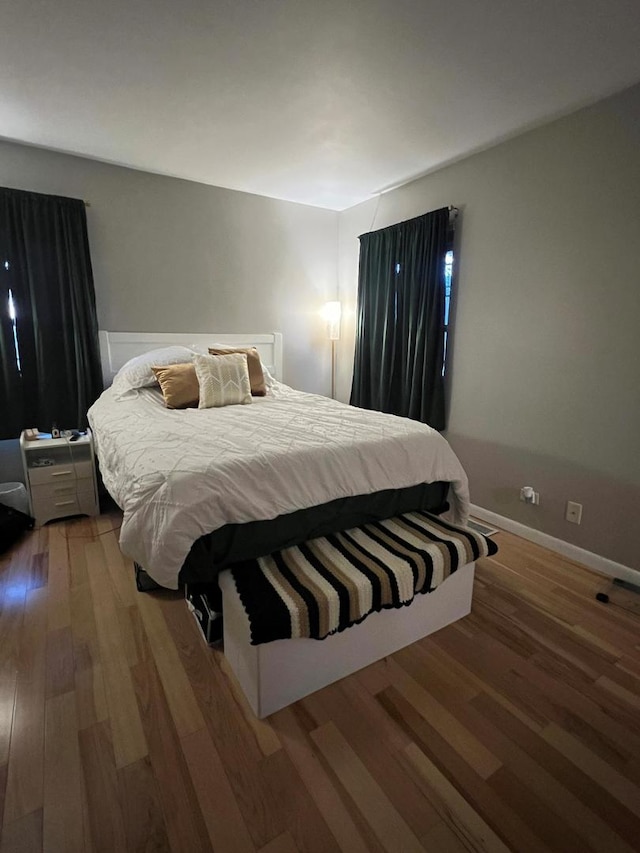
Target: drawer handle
64 503
68 488
61 473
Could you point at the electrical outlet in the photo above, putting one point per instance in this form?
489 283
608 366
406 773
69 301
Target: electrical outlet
574 512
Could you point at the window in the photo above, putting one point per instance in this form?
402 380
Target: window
11 307
50 358
448 275
404 302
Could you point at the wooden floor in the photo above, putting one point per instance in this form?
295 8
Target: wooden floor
518 728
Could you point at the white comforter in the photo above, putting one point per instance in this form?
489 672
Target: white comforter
180 474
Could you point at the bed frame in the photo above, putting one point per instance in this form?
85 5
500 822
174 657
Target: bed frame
276 674
116 348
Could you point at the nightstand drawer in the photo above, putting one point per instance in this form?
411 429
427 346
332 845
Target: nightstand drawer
60 489
59 473
52 474
58 500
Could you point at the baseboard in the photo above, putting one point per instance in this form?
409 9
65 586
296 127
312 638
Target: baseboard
573 552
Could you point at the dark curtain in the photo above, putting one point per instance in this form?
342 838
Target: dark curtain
44 243
400 319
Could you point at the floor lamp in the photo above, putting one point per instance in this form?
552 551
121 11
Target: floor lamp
331 313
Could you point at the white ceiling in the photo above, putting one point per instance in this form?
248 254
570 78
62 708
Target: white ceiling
318 101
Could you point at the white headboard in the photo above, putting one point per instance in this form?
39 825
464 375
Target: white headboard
116 348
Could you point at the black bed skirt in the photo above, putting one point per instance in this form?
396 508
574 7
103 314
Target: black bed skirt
236 542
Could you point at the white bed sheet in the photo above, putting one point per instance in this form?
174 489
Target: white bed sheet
181 474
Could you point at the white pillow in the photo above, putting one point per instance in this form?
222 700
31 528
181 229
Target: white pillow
223 379
269 380
137 373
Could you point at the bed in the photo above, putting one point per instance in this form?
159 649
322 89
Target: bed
203 488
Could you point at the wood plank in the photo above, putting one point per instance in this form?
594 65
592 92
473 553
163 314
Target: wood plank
552 829
14 581
182 702
183 820
144 825
26 758
466 822
622 789
434 674
442 839
120 570
530 769
465 668
60 662
232 736
604 809
101 781
300 749
378 752
265 736
23 835
89 680
3 788
63 814
39 571
226 827
306 824
91 697
462 740
366 707
86 649
282 844
488 805
79 532
374 677
59 610
391 830
630 697
129 741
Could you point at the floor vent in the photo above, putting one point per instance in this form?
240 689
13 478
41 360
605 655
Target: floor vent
479 527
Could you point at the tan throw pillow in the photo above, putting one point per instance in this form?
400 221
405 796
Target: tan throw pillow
256 376
223 379
179 385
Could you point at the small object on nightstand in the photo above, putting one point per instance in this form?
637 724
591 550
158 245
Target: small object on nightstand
31 434
55 432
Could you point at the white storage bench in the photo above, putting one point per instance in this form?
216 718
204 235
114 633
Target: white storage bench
273 675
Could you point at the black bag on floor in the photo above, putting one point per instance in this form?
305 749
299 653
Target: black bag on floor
13 523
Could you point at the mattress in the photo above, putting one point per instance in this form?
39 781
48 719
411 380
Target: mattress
179 475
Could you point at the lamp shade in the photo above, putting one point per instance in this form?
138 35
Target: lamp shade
331 313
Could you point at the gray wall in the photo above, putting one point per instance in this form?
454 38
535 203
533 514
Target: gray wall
174 256
545 374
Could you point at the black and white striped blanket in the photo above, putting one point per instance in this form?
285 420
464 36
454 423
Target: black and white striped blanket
328 584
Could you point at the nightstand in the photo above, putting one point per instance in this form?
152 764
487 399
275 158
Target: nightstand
60 476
